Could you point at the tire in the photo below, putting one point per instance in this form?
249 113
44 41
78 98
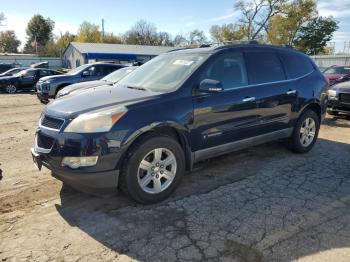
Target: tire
300 139
11 89
159 179
333 113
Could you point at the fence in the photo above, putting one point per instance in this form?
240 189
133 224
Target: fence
324 61
27 60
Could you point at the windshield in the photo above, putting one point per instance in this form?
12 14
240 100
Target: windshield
338 70
164 73
119 74
78 69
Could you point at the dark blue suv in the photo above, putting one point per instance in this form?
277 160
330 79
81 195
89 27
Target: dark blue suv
177 109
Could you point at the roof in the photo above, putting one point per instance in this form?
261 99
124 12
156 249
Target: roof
96 48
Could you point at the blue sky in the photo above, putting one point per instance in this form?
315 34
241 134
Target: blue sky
174 16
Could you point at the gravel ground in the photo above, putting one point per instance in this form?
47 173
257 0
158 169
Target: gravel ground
260 204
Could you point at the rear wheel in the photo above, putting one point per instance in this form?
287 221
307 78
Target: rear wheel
305 132
11 89
153 169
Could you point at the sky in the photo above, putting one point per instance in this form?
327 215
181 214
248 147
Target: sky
173 16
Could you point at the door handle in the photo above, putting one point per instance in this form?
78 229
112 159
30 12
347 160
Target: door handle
291 92
248 99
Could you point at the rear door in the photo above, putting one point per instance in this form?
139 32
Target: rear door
227 116
275 95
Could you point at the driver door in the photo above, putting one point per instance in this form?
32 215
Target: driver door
228 115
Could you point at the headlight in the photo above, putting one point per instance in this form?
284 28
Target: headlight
332 93
96 121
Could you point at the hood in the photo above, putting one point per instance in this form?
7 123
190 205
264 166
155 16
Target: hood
83 86
57 77
104 96
343 87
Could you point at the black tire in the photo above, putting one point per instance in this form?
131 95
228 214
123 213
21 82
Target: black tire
294 142
333 113
128 179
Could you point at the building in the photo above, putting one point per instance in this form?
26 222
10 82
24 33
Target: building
324 61
77 54
24 60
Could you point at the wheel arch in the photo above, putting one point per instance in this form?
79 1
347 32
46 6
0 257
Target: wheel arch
314 106
170 129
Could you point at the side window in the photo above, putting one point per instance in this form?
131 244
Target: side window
93 71
229 69
296 65
43 73
264 67
109 69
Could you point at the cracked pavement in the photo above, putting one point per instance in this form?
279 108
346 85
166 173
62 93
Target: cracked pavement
260 204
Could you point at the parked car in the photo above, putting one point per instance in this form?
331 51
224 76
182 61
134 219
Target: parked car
335 72
339 99
110 79
13 71
48 87
44 64
177 109
25 79
4 67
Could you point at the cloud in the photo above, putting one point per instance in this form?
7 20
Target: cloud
335 8
229 13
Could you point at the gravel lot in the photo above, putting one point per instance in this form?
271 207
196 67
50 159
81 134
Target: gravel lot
260 204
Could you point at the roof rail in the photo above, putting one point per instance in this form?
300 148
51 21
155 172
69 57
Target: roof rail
177 49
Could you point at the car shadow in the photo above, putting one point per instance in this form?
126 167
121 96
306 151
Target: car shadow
262 203
341 120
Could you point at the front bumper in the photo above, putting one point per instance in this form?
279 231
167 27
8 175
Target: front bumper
101 179
336 104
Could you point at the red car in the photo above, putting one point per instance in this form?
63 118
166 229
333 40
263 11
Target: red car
334 72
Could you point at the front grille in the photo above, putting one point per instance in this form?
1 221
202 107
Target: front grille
44 141
51 122
345 98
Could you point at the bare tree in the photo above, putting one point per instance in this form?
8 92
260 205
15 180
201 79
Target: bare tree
256 14
142 33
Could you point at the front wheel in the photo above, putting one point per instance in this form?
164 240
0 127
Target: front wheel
305 132
11 89
153 169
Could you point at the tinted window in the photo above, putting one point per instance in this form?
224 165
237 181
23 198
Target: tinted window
338 70
264 67
109 69
296 65
229 69
43 73
95 71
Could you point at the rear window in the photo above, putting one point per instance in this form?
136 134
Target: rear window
264 67
296 65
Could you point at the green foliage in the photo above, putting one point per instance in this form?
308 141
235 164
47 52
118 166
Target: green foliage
112 39
227 32
40 30
313 36
89 33
9 42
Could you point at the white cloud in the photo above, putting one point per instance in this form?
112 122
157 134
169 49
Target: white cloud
335 8
229 13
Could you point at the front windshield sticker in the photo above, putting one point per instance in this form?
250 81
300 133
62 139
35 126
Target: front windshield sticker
183 62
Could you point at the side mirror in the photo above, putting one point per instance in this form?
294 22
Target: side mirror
210 86
85 74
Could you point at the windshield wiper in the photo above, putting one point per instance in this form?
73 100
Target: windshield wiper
137 88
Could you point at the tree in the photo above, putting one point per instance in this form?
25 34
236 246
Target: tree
180 40
56 47
283 28
164 39
142 33
256 15
227 32
112 39
88 33
39 33
197 38
9 42
315 35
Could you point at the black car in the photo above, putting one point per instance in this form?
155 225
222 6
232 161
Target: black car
25 79
177 109
5 67
110 79
48 87
339 99
13 71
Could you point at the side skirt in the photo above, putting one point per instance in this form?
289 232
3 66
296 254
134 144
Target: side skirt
240 144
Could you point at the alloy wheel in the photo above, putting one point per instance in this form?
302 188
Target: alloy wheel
11 89
307 132
157 171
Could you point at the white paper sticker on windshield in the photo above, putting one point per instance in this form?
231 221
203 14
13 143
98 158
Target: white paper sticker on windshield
183 62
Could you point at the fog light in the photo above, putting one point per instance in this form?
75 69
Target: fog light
76 162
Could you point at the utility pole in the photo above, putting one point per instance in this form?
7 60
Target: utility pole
103 29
